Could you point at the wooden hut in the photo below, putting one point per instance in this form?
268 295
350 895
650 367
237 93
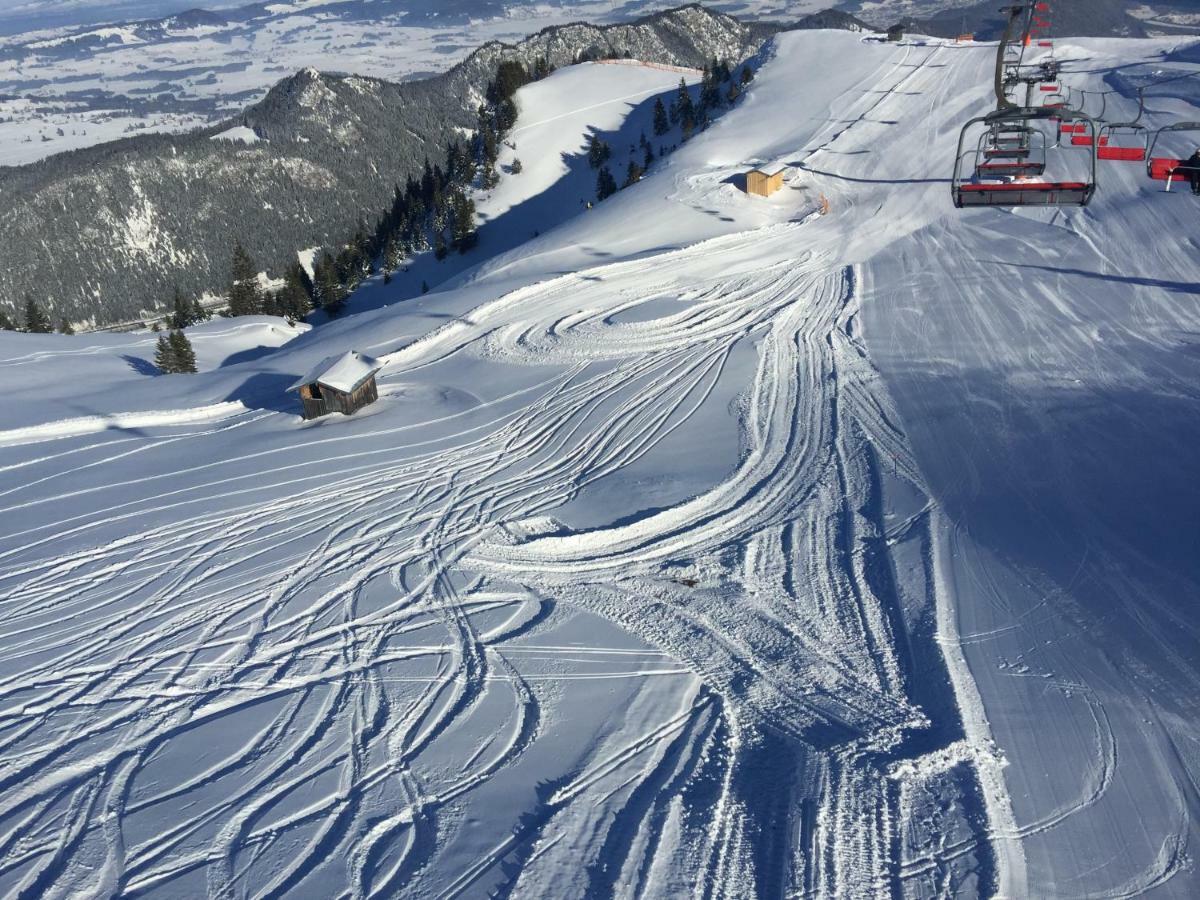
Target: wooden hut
343 383
763 184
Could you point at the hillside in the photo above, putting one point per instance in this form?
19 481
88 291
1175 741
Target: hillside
107 232
701 543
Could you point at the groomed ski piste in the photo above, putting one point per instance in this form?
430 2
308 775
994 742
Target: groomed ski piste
702 545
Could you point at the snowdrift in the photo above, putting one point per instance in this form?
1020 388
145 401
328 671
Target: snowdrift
701 542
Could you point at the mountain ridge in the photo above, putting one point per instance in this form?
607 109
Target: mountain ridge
106 233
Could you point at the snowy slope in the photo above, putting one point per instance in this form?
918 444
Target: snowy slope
699 543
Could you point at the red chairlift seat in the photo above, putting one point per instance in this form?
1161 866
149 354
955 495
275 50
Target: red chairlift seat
1009 153
1121 154
1045 43
1048 88
1163 168
1085 140
1027 193
1072 128
993 169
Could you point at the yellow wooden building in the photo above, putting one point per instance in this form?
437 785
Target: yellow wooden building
763 184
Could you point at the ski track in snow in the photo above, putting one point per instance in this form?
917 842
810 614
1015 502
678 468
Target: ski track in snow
247 678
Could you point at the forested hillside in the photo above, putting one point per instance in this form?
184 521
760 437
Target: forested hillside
108 233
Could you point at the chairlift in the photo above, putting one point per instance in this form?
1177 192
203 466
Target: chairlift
1168 168
980 180
1125 141
1010 151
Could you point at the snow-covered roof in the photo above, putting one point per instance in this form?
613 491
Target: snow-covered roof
343 372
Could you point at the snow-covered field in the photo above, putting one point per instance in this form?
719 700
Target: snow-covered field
700 544
194 75
199 76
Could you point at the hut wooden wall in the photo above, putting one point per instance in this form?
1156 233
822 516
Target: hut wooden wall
332 401
761 184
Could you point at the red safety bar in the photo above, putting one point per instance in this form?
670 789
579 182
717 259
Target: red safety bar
1068 128
1050 88
1045 43
1122 154
1085 140
1162 168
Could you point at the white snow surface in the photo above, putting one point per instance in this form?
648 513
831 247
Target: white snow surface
238 134
700 544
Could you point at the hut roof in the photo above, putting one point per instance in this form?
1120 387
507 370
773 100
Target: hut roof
343 372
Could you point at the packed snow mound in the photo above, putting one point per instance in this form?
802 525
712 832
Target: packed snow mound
701 542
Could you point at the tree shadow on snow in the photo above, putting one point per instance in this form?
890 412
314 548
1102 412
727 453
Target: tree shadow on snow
141 366
247 355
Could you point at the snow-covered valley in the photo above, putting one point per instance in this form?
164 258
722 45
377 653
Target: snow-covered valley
697 544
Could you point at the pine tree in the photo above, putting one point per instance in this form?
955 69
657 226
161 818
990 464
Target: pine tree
634 174
36 320
462 212
661 123
489 177
392 257
606 185
330 293
6 322
199 313
747 75
685 109
510 77
424 287
516 168
439 245
294 300
181 311
164 355
364 256
65 326
599 152
182 352
245 294
506 115
648 157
